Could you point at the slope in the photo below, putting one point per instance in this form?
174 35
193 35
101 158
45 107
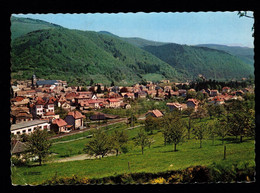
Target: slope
78 57
244 53
22 26
192 60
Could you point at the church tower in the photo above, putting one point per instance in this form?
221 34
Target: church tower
34 80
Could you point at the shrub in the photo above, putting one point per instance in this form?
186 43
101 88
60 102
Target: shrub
159 180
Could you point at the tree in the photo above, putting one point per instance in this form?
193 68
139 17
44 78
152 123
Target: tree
174 129
112 84
124 89
200 132
242 123
220 110
141 140
119 139
222 128
39 145
132 120
100 144
211 110
91 82
190 113
99 89
201 113
151 124
212 131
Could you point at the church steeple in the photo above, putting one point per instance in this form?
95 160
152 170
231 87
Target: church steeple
34 80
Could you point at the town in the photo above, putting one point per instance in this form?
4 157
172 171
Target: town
64 110
37 103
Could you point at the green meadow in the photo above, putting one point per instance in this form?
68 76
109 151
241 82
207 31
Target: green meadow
157 158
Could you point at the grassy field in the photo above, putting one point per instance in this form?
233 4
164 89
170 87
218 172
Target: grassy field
156 159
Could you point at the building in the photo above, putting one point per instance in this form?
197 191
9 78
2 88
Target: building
29 127
75 118
155 113
173 106
214 93
192 103
114 103
60 126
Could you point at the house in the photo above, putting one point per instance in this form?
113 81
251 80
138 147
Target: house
214 93
114 103
192 103
239 93
173 106
125 106
18 147
182 92
60 126
29 127
96 103
128 95
217 100
20 115
155 113
83 105
140 94
75 118
225 89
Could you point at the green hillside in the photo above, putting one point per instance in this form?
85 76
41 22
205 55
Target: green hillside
78 57
244 53
139 42
192 60
22 26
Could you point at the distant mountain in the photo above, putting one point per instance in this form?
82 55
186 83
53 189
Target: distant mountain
22 26
53 52
79 56
244 53
139 42
192 60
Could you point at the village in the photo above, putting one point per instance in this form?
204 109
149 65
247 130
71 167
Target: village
35 102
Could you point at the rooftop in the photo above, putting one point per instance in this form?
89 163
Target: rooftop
27 124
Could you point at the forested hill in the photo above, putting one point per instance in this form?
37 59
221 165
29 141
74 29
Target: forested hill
192 60
79 56
244 53
22 26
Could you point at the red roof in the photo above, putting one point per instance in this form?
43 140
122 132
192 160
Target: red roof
156 113
49 113
40 101
193 100
76 114
178 105
113 100
59 122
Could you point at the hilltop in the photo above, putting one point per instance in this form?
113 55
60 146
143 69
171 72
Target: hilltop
22 26
79 56
193 60
244 53
51 51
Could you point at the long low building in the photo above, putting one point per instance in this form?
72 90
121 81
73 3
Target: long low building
29 126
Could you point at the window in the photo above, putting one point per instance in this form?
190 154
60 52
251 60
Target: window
18 133
29 130
24 131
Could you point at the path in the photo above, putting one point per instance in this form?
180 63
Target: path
81 157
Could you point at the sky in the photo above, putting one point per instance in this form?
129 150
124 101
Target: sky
192 28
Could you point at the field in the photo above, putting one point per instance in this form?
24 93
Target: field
157 158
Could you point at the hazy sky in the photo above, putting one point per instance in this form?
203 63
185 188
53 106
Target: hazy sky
183 28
